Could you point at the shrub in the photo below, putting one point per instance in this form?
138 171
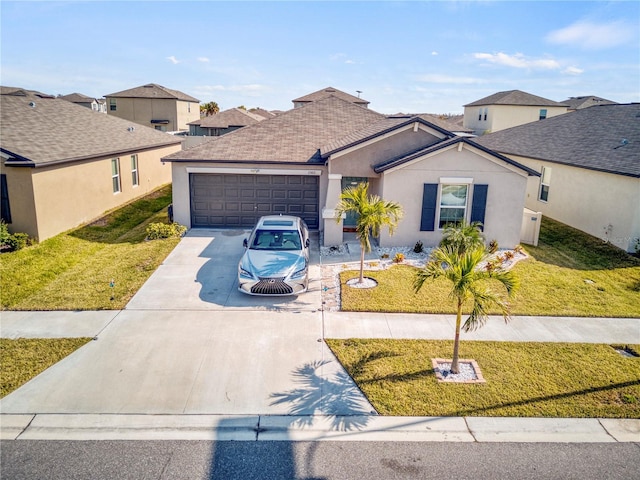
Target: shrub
518 249
461 237
12 241
165 230
4 234
493 246
398 258
508 255
419 247
384 255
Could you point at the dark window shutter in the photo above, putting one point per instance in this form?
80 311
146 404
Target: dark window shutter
4 200
479 203
429 202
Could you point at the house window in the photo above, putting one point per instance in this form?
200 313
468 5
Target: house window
189 107
543 114
112 104
4 199
480 115
115 174
134 171
545 182
486 110
453 204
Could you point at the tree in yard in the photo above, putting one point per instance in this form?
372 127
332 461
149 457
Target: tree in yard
462 237
464 271
209 108
372 212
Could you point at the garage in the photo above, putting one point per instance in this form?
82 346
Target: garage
238 200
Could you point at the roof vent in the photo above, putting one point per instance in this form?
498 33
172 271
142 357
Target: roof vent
623 142
130 129
32 104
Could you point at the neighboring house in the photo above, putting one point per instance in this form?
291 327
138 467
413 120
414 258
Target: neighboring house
262 112
326 92
300 161
577 103
63 165
508 109
589 161
223 122
95 104
155 106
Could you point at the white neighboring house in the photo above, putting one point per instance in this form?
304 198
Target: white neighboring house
589 161
508 109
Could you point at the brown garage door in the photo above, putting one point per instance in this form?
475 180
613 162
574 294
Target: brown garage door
230 200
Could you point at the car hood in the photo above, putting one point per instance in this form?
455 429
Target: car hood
269 263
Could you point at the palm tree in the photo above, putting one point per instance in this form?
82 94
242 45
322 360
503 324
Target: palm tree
209 108
462 270
373 213
462 236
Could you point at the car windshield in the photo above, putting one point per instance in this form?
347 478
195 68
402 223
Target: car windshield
276 240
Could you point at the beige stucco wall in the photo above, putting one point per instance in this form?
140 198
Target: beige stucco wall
500 117
21 200
66 196
505 196
143 110
180 182
589 201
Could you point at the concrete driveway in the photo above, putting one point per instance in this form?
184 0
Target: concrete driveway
190 343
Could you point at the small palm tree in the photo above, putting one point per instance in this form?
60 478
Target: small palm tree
462 236
209 108
462 270
373 213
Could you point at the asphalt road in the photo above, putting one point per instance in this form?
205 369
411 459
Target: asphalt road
115 460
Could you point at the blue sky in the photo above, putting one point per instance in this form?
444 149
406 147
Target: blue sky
404 56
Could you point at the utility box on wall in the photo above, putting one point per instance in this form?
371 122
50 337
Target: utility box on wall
530 230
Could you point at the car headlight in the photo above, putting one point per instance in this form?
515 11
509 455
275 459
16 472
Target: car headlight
245 273
299 273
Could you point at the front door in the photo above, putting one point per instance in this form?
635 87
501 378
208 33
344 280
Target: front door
349 223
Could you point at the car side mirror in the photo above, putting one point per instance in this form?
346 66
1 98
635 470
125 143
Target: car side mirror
245 244
306 243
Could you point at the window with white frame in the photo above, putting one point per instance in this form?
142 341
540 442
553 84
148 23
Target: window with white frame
135 180
486 111
115 174
453 204
543 114
545 182
112 104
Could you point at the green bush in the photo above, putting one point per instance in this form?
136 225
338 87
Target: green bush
4 234
12 242
165 230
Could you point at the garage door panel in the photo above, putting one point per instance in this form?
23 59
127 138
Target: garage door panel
232 200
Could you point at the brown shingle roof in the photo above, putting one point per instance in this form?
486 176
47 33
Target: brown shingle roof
576 103
293 136
77 98
604 138
515 97
42 130
325 92
234 117
153 90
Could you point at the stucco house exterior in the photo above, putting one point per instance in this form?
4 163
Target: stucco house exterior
299 162
154 106
63 165
589 165
508 109
95 104
224 122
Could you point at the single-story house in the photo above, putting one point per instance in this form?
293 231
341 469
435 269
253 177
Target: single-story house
508 109
63 165
589 165
299 162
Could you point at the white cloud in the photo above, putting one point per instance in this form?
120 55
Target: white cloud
518 60
573 71
593 36
203 59
173 60
448 79
434 53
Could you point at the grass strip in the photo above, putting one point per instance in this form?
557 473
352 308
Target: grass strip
24 358
522 379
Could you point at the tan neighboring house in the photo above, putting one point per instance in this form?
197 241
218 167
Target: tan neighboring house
300 161
223 122
63 165
95 104
589 165
155 106
508 109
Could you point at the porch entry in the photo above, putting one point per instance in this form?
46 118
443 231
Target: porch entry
349 223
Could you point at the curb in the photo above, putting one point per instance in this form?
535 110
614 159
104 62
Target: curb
316 428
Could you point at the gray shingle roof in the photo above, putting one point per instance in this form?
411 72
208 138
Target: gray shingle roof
515 97
604 138
576 103
293 136
77 98
42 130
234 117
325 92
153 90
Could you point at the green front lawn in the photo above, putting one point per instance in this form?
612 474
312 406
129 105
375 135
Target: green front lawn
522 379
24 358
74 270
570 273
